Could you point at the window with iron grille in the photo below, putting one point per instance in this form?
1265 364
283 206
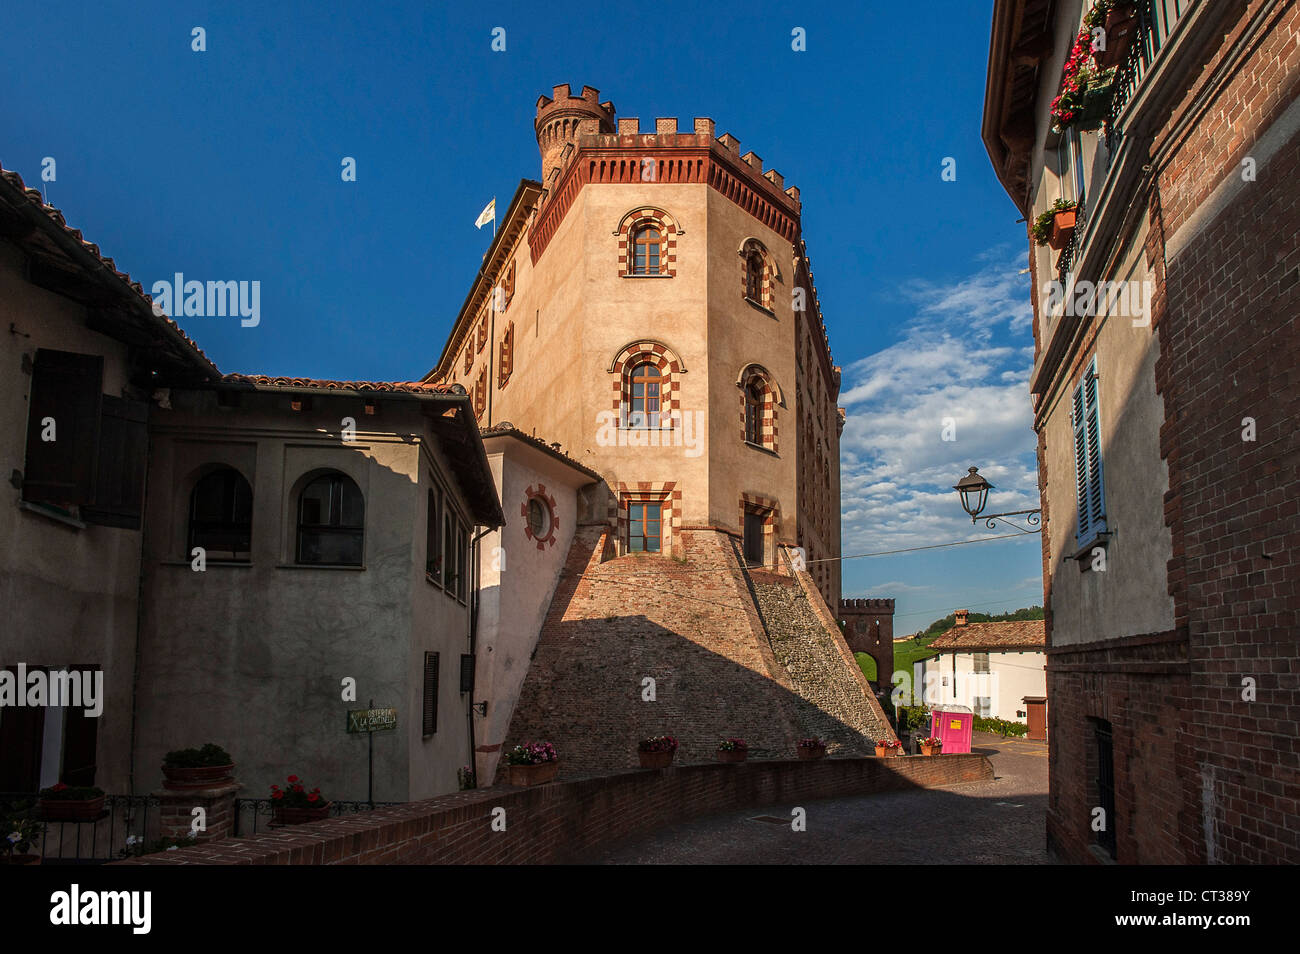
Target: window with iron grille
430 693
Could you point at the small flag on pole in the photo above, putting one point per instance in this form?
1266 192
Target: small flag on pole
489 214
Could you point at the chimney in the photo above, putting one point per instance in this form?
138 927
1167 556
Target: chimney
961 616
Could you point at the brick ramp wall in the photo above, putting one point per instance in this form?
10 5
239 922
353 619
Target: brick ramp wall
566 820
691 625
831 703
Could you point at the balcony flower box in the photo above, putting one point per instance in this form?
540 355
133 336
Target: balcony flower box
885 748
657 752
197 768
1055 225
533 763
931 746
811 749
295 805
63 803
732 750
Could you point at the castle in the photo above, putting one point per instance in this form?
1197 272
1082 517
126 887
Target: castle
611 510
648 309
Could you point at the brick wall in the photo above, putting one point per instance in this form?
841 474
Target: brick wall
567 819
864 636
1203 774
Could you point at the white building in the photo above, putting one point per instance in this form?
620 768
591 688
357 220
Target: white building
998 670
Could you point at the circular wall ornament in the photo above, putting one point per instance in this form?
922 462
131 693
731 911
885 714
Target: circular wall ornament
538 511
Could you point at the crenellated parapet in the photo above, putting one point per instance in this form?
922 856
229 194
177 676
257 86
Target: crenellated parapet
867 605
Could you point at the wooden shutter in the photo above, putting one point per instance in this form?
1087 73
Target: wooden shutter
1092 422
466 673
123 452
1080 462
68 388
430 693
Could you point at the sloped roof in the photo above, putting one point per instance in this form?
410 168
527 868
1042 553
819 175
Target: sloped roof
1008 634
61 258
324 384
506 429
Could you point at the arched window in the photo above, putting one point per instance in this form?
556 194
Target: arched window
331 521
643 410
645 251
539 521
754 277
221 516
754 400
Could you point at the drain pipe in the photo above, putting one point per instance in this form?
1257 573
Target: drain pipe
476 550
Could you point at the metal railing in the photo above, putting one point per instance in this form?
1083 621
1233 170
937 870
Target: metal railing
1156 20
264 808
126 821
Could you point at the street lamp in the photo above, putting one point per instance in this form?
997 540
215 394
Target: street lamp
974 492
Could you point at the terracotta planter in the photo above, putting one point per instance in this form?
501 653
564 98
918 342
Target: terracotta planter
20 860
932 750
293 815
1062 229
539 774
884 753
732 755
177 778
656 760
64 810
809 754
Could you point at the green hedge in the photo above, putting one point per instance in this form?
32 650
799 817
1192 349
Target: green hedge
1002 727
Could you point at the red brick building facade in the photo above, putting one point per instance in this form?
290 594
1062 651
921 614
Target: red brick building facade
1170 577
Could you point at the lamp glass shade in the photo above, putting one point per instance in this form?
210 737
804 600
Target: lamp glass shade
974 491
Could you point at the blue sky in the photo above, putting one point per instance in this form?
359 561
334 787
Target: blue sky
225 165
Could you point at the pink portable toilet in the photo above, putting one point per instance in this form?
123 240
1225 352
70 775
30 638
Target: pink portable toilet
952 725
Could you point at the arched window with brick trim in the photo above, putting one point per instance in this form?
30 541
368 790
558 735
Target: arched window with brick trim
646 385
647 243
758 273
760 399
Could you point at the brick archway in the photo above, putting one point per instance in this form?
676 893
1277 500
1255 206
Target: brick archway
869 629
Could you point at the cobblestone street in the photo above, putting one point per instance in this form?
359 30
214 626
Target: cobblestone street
997 822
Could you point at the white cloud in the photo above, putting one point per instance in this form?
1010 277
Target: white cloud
960 361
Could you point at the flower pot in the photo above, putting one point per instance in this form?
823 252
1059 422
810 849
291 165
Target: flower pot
809 754
177 778
732 755
296 815
20 860
931 750
884 753
1062 229
538 774
656 760
66 810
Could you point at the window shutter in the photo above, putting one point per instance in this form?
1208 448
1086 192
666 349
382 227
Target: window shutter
430 693
1080 461
66 387
466 673
123 451
1092 422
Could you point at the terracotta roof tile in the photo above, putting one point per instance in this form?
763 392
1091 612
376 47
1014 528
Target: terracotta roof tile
35 198
1008 634
268 381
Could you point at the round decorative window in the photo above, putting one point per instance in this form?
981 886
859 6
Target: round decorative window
538 519
538 512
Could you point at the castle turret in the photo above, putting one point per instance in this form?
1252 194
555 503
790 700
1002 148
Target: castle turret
561 118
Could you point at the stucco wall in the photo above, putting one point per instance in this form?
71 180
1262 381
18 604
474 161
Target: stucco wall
1011 677
253 656
69 594
517 577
